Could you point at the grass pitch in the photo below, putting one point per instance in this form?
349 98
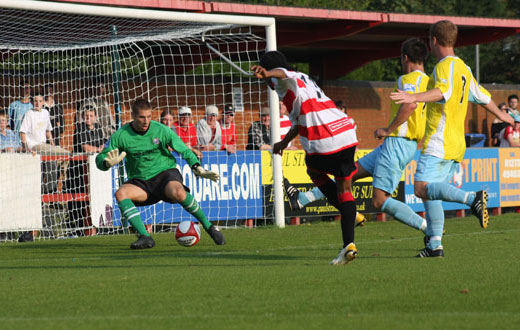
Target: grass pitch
268 278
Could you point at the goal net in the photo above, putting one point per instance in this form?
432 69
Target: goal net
83 71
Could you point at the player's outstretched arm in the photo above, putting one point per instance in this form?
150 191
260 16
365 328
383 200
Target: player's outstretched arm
504 116
402 116
281 145
433 95
261 73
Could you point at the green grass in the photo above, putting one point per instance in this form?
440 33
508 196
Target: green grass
268 278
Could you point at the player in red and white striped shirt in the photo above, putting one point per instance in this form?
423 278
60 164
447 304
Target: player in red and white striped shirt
327 135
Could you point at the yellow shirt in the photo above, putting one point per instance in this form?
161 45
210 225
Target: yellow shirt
444 137
413 128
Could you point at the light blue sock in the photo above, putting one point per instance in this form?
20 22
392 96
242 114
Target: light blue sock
435 219
404 213
310 196
448 193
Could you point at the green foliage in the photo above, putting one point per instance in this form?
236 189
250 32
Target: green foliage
268 278
49 62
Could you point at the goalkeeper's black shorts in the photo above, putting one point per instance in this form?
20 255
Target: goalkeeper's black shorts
156 186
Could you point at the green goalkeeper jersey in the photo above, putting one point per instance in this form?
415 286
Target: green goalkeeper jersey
147 154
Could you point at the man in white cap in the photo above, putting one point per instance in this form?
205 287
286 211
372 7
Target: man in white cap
209 132
187 131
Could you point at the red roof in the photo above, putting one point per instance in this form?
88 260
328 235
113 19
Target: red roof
336 42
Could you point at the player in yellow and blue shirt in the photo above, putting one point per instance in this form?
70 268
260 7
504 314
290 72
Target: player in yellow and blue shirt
406 128
450 88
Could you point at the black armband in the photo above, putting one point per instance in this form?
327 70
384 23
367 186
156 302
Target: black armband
195 166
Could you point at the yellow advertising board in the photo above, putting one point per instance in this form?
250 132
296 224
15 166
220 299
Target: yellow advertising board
294 168
509 176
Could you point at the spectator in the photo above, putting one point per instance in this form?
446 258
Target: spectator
36 129
229 132
341 105
35 132
285 125
9 141
56 113
18 108
209 132
512 100
103 113
185 129
168 119
259 135
88 138
497 126
510 136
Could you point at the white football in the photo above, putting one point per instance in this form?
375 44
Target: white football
187 233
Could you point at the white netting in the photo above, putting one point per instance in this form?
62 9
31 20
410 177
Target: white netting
90 69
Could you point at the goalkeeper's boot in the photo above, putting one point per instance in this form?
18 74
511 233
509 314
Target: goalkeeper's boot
429 253
216 235
143 242
479 208
360 219
346 255
292 195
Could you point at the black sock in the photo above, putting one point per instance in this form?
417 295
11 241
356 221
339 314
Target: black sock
329 190
348 220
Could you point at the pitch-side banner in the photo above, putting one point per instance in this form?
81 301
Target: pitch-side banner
478 171
237 195
295 170
509 173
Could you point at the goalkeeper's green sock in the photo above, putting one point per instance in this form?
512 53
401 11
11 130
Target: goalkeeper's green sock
131 213
191 205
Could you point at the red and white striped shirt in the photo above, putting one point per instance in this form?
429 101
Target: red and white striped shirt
323 128
285 126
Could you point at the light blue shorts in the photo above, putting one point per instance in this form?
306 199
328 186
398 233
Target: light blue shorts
434 169
387 162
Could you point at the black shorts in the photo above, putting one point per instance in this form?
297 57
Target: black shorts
340 164
156 186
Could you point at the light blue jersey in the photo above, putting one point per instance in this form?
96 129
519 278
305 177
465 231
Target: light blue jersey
17 110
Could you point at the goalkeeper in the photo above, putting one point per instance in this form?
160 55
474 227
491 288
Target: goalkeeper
152 171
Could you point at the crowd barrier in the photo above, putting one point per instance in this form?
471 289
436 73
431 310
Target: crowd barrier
245 189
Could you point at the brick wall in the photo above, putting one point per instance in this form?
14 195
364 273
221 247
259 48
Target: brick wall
368 103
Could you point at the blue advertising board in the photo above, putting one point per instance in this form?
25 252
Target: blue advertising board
237 195
478 171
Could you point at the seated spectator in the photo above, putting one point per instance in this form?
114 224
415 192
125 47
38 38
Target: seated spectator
229 132
187 131
18 108
209 132
97 100
285 125
512 100
168 119
259 134
36 129
9 141
88 138
56 113
497 126
510 136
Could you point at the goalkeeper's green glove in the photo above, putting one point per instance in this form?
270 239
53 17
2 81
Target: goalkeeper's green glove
113 158
200 171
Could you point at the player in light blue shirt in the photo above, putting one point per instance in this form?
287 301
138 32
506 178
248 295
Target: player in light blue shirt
18 108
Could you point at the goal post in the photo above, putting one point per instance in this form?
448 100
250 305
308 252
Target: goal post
94 61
